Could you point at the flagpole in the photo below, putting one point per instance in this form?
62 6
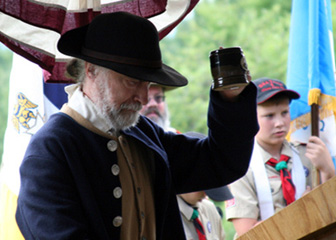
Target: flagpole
315 132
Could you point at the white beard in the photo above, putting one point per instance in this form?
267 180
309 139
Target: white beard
120 119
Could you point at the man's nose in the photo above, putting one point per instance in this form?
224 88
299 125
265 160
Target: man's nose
142 93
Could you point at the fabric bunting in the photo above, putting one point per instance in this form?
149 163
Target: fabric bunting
32 28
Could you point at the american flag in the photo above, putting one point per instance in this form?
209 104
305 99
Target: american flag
31 28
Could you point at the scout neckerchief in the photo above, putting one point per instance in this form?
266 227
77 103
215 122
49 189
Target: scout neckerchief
198 225
262 184
287 185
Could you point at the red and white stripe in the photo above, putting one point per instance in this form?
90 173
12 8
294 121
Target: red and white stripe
32 28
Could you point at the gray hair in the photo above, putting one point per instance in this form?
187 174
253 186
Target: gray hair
75 70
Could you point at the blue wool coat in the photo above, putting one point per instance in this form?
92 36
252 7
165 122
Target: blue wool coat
66 181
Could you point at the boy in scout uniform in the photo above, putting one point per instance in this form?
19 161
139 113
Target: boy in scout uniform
279 172
197 205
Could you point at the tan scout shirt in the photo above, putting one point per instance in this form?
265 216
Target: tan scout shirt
245 203
208 216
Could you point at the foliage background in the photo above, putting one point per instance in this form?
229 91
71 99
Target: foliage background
259 27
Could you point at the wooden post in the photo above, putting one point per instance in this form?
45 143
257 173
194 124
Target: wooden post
315 132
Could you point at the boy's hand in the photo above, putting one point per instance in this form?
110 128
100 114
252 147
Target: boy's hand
308 189
318 153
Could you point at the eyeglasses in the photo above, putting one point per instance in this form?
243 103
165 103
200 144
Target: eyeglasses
158 99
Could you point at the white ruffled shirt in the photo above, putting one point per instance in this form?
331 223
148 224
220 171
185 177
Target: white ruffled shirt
79 102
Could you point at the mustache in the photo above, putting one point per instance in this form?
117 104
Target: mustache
130 106
151 110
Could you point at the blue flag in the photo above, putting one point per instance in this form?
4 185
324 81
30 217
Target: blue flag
311 70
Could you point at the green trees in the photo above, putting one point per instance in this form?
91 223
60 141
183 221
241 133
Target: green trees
5 66
259 27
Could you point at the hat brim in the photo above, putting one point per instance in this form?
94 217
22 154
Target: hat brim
71 44
165 88
289 93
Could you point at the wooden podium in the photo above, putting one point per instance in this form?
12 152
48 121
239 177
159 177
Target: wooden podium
311 217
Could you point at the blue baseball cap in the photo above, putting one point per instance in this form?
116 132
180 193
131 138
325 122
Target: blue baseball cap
219 194
268 88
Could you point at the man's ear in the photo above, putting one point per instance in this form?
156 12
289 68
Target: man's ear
90 70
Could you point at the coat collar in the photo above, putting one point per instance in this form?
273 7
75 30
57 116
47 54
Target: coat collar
149 134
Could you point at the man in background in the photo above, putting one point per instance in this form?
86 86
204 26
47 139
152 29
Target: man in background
157 109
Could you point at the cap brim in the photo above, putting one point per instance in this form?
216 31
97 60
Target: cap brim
219 194
289 93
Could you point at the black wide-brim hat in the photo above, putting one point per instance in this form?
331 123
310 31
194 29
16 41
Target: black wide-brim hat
122 42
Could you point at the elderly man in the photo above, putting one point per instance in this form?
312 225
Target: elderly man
99 170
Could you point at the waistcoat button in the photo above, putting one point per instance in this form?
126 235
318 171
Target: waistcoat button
117 192
115 169
112 145
117 221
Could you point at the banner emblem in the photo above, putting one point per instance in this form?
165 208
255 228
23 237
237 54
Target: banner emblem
23 113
